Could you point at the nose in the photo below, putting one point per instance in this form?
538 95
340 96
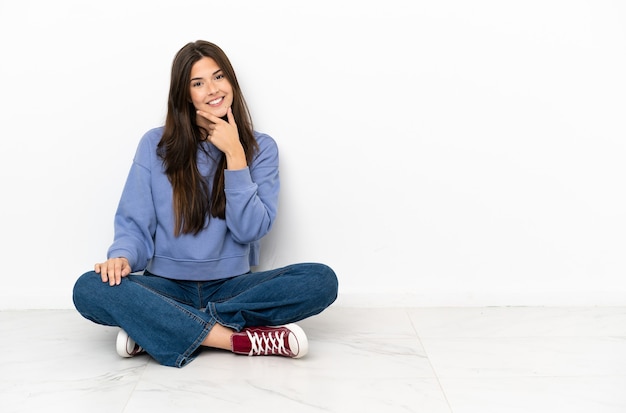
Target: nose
212 88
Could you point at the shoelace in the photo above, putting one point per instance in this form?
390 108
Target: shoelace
267 343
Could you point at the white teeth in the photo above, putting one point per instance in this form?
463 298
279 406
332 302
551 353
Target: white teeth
213 102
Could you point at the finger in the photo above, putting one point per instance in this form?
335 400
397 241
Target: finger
209 116
112 278
108 272
231 118
101 269
119 270
125 269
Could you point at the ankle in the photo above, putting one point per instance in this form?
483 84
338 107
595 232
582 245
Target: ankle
219 337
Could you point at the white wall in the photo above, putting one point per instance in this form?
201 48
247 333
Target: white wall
434 153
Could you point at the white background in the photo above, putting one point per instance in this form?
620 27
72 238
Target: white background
432 152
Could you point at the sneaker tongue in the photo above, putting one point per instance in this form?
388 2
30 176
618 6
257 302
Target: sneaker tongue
241 344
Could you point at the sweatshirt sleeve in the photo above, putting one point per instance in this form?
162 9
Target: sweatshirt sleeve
252 194
135 218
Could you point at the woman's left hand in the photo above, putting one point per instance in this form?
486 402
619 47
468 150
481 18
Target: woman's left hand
225 136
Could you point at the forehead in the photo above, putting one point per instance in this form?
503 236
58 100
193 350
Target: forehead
204 67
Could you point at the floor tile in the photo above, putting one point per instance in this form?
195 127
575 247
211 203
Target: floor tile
526 357
520 322
231 383
537 395
449 360
360 323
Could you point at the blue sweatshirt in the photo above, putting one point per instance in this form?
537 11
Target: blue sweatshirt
144 221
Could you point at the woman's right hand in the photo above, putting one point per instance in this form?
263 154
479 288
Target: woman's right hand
113 270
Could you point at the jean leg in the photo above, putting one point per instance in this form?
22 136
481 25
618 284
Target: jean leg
275 297
168 330
185 292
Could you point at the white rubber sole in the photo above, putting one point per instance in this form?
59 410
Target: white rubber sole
124 344
298 340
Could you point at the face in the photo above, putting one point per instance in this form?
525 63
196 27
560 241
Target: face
209 89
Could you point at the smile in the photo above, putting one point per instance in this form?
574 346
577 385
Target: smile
216 101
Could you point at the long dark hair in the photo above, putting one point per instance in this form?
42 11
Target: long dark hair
193 204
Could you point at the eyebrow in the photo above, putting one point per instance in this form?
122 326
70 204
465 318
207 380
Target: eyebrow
200 78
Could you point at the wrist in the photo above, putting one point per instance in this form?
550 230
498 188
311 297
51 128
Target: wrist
236 159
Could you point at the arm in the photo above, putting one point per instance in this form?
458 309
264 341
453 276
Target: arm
251 190
252 194
135 223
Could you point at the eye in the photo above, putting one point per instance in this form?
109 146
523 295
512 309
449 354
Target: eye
219 77
197 83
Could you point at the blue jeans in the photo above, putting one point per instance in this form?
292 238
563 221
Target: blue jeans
171 318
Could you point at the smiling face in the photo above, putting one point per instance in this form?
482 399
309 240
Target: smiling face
209 89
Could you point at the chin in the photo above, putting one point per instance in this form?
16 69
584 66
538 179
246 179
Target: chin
220 113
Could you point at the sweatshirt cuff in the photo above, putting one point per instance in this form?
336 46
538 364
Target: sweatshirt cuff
237 179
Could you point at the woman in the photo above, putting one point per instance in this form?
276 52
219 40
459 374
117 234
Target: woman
201 193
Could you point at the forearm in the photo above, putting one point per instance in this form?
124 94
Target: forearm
236 159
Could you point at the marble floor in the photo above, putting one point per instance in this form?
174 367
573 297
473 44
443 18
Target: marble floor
452 360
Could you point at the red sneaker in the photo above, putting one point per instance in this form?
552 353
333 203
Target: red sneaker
288 340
